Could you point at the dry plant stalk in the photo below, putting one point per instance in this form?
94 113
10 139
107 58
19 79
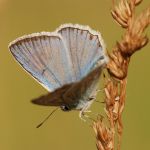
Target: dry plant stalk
115 85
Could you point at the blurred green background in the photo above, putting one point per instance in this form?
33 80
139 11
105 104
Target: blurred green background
65 131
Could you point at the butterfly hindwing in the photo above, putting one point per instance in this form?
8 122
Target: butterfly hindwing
45 57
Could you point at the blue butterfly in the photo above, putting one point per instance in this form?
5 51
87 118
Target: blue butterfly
67 62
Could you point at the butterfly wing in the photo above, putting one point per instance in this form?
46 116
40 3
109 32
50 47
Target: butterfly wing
60 59
85 46
54 98
45 57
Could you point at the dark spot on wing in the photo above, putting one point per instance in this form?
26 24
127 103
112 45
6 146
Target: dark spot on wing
43 71
91 36
99 44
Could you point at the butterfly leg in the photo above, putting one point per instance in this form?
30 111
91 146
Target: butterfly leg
81 114
100 90
83 111
86 116
87 111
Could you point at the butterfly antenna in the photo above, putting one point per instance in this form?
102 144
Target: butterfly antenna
47 118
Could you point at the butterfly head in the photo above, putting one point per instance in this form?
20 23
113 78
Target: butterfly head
65 108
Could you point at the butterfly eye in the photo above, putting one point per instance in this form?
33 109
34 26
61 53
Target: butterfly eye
65 108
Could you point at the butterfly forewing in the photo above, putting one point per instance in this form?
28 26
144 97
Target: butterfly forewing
85 46
45 57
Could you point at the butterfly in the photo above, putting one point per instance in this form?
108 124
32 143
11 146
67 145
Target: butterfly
67 62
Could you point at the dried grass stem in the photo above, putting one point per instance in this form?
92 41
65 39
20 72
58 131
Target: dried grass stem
115 84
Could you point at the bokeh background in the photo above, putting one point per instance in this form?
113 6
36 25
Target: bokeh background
65 131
